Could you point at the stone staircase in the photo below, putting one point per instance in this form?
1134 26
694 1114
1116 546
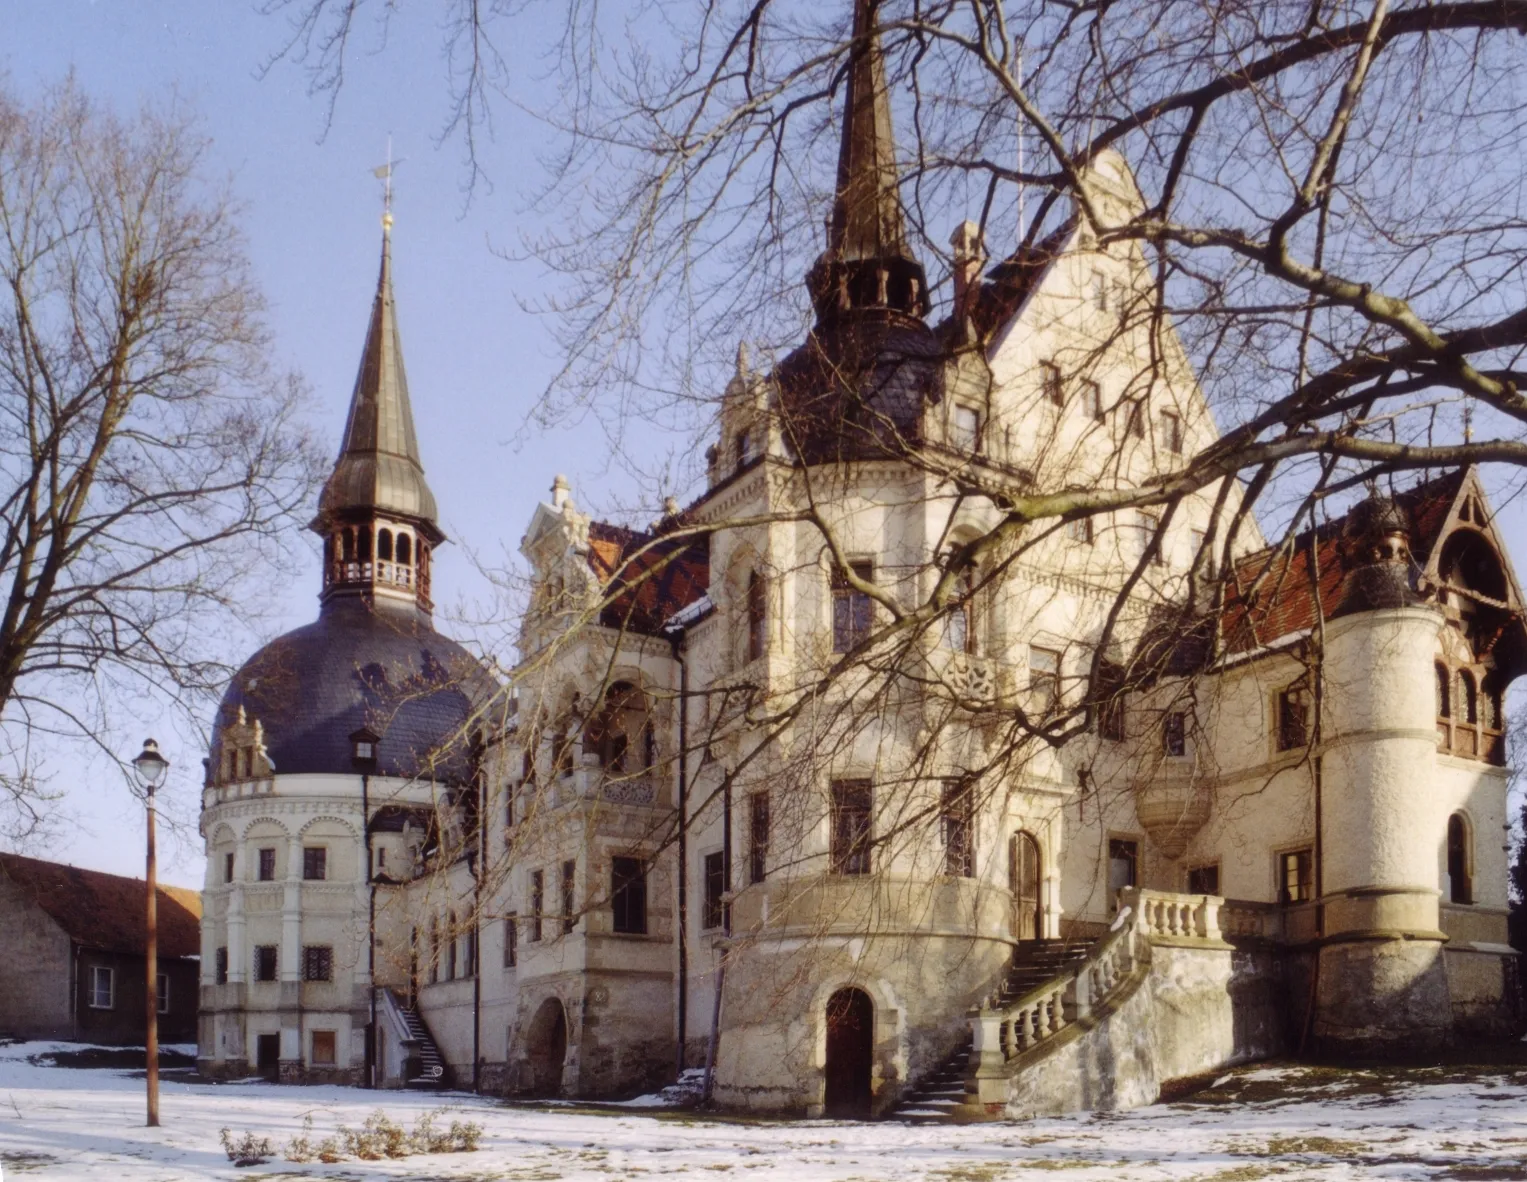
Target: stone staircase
430 1072
948 1094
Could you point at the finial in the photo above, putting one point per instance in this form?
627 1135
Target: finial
670 506
742 359
1468 420
383 173
559 490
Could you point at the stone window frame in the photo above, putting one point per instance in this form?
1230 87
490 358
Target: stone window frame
1215 864
315 863
317 1037
258 963
1280 871
712 904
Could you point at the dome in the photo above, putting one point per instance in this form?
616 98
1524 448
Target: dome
381 666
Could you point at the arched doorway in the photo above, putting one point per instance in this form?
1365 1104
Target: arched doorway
546 1043
1024 877
850 1053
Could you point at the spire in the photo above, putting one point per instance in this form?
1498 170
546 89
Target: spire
868 263
378 468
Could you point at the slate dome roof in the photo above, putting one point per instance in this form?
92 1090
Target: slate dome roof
381 666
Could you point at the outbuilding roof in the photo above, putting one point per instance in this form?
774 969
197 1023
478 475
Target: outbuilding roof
106 911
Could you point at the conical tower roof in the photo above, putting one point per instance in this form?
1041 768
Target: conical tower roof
378 467
867 263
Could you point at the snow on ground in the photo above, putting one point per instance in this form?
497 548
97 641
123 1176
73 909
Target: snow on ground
1292 1123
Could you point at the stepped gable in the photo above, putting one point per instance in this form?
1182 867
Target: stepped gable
1284 602
654 577
105 911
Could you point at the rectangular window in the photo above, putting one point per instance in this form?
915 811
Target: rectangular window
852 610
537 903
227 867
1296 877
1134 422
758 836
956 811
851 826
317 962
561 754
1054 388
265 962
569 878
1123 866
628 895
1171 432
1150 526
1079 529
758 621
220 967
1203 880
162 993
1174 734
469 952
1092 400
509 807
1293 719
102 988
511 940
715 887
323 1048
267 865
1044 680
434 951
1109 694
965 428
315 863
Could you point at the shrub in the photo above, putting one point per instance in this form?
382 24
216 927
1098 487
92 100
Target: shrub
250 1151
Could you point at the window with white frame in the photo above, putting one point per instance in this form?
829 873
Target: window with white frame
103 993
965 427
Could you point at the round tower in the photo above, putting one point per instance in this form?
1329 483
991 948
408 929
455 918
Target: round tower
1381 983
331 750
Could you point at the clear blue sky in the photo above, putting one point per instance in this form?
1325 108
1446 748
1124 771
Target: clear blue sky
475 361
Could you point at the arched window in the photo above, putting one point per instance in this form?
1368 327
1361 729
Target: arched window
384 545
1468 698
347 545
403 549
757 613
363 549
1459 860
1444 694
1491 700
960 623
615 731
328 553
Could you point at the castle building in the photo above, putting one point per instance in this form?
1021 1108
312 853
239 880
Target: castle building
1141 801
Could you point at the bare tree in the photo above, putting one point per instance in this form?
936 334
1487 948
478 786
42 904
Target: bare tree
151 463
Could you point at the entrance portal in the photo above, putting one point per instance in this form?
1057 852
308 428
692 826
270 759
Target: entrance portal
268 1055
547 1044
1023 873
850 1053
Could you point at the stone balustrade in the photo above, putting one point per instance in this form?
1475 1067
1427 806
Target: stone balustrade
1002 1033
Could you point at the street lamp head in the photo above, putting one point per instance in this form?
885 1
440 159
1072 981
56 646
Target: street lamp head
150 765
363 749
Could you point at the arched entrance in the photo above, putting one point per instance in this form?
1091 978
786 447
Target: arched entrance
1024 876
850 1053
546 1043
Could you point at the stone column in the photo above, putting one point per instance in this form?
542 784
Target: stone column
1381 984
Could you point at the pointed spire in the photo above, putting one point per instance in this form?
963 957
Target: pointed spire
868 263
378 466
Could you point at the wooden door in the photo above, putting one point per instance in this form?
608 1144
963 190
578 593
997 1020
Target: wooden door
1024 878
850 1053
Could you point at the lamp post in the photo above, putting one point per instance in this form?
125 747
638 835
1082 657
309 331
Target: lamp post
363 757
151 767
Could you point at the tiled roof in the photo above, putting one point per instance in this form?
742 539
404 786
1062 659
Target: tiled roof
1284 600
106 911
652 577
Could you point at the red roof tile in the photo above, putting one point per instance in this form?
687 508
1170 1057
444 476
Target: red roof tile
650 577
1271 593
106 911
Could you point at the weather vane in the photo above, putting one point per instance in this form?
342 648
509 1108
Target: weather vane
383 173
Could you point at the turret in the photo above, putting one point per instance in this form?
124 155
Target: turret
376 514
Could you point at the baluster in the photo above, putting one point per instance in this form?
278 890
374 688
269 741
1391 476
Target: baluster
1057 1013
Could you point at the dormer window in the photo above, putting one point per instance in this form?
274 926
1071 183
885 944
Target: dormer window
965 428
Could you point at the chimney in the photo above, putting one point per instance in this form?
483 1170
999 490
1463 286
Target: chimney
969 258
